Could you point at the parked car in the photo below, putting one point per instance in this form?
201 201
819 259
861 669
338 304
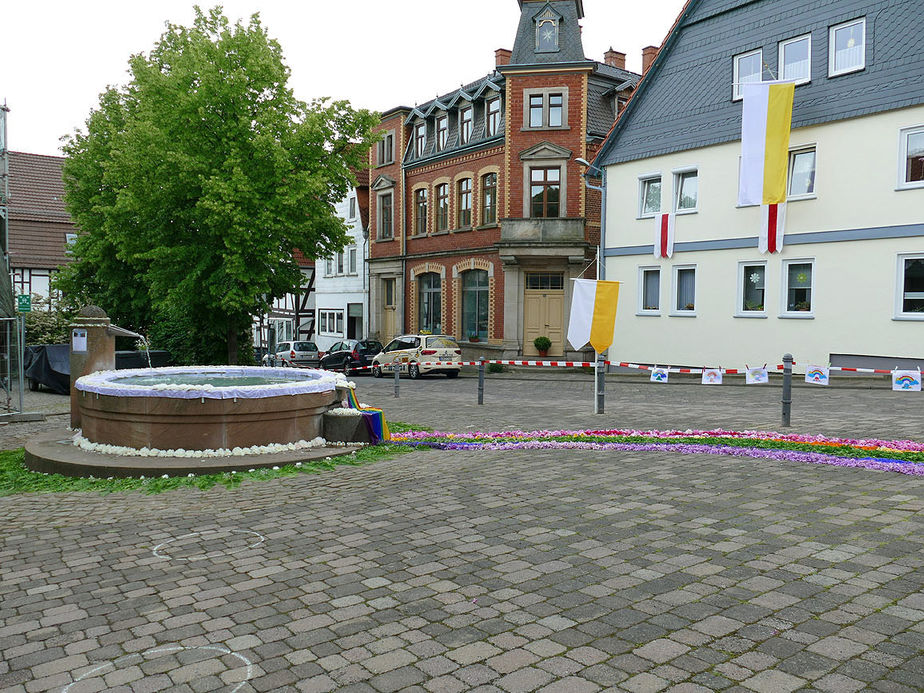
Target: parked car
351 355
409 352
300 354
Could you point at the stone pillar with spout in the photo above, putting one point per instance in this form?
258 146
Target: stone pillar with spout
92 349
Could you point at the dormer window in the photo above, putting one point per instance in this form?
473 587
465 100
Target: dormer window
547 36
420 139
442 132
547 31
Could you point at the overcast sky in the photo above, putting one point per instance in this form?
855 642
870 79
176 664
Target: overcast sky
56 56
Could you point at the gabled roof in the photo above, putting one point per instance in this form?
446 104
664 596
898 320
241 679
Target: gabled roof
37 188
570 48
685 99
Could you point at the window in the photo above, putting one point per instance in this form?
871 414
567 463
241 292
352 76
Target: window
352 208
545 192
385 216
751 288
283 329
536 110
910 302
429 284
420 139
547 36
388 289
489 199
684 289
420 212
545 281
475 304
649 202
493 117
686 183
69 240
748 67
556 109
465 125
796 59
798 277
911 164
801 173
442 206
649 290
330 322
330 267
340 263
847 47
546 108
464 203
386 149
442 132
352 260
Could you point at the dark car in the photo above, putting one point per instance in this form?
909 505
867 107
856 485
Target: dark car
351 355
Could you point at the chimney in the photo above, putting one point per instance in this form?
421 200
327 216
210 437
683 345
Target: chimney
615 59
502 56
649 53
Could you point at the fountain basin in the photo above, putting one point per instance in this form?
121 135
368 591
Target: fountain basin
205 408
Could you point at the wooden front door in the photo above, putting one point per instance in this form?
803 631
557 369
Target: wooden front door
544 311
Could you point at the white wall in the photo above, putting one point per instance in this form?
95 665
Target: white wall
334 291
855 282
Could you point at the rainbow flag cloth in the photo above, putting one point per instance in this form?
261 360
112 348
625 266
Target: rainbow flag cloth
374 418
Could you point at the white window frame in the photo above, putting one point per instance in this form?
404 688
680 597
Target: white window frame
328 322
832 72
352 266
675 310
737 95
463 138
329 267
899 314
740 311
491 132
546 93
903 136
675 203
640 308
442 128
784 290
420 143
643 181
793 151
782 64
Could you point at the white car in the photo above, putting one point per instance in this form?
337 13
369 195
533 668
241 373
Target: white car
409 353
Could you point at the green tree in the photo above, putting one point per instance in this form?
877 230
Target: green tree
193 184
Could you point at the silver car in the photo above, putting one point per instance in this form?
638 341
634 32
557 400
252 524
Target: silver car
298 354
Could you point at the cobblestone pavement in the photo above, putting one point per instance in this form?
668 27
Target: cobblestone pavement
502 571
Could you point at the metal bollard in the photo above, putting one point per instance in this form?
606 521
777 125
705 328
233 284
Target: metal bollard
601 372
787 388
481 380
397 377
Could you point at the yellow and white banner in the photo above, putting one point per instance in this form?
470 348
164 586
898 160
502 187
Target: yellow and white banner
593 314
766 121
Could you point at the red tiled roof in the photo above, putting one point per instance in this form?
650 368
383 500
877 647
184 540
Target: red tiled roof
39 223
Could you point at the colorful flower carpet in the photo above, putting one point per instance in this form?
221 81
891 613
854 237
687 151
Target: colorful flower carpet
902 456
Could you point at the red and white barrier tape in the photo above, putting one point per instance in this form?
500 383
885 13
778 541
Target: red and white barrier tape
591 364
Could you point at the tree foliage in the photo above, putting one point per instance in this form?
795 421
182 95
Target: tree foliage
192 185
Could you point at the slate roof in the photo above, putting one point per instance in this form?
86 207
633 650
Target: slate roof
38 220
685 100
570 47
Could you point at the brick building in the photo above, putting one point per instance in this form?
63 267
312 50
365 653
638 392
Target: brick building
479 213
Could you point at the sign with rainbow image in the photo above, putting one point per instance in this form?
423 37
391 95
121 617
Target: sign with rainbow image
818 375
712 376
659 375
909 381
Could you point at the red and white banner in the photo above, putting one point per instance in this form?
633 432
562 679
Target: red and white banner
772 222
664 234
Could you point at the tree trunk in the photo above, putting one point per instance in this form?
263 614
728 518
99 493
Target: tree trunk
232 345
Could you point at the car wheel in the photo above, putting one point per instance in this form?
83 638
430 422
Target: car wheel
347 371
452 374
376 371
413 371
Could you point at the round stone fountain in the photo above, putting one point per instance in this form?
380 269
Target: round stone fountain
188 419
205 408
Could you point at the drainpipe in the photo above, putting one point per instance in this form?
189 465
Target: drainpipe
601 265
